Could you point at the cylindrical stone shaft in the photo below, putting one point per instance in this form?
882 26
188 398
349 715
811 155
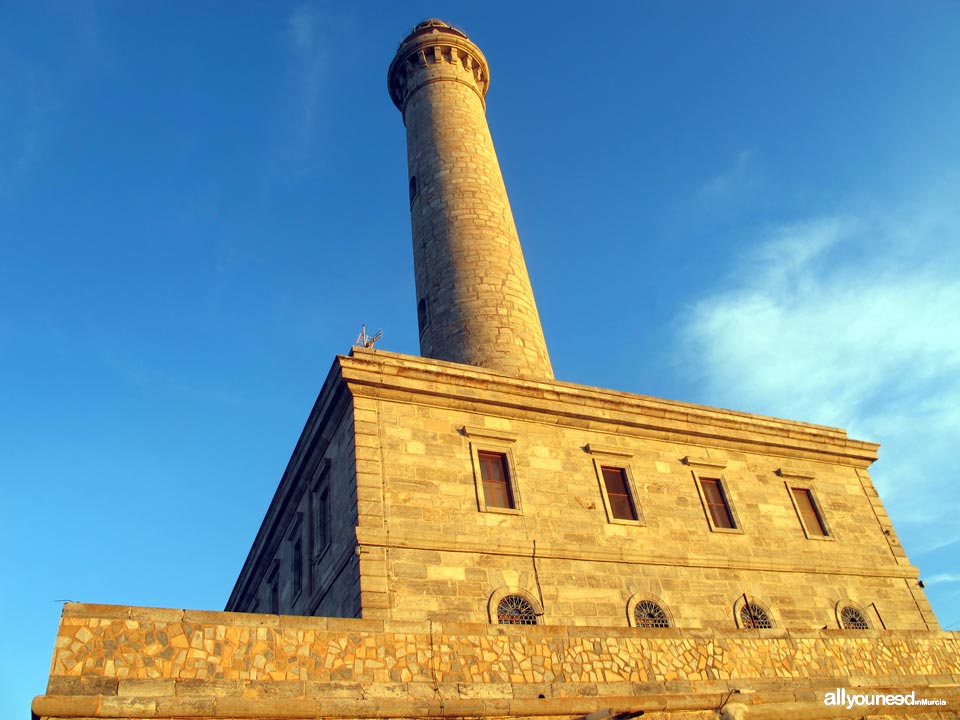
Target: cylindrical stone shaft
475 304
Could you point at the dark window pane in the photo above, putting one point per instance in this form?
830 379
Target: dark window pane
615 481
497 495
496 480
274 588
621 504
717 503
711 489
321 519
622 509
297 567
808 511
491 466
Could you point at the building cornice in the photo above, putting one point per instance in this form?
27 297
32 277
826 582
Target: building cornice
380 374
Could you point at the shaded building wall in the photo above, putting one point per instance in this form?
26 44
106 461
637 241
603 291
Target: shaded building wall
304 559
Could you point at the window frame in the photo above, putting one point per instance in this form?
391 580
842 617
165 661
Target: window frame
817 507
616 459
501 593
721 481
498 442
742 602
635 601
528 619
295 566
496 482
273 588
842 605
321 535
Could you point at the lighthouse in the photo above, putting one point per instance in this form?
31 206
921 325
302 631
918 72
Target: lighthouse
475 304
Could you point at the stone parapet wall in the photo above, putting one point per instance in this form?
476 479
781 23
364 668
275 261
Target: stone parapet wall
118 661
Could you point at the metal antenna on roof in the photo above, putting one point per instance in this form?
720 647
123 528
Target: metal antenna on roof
363 340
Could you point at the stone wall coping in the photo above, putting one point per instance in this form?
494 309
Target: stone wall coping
761 705
395 375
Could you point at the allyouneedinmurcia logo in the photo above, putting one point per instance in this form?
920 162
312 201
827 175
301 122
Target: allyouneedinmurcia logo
841 698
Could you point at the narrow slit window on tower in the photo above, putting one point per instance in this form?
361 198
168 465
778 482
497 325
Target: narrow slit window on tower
422 315
413 188
810 517
622 505
273 590
495 475
296 567
717 504
320 535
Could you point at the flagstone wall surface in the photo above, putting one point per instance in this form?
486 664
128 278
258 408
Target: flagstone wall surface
151 654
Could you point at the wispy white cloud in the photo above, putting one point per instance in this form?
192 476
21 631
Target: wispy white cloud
311 33
852 320
732 180
28 103
305 29
943 578
33 88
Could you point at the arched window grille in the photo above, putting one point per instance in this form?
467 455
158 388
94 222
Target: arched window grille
647 614
853 619
516 610
754 616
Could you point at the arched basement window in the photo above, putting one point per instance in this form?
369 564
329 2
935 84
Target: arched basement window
516 610
853 619
754 616
647 614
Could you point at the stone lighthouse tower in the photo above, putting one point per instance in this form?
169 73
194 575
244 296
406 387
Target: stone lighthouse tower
677 557
474 301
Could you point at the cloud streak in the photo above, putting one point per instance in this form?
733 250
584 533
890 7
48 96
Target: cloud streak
851 320
305 32
943 578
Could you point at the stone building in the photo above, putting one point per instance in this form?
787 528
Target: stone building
434 487
461 535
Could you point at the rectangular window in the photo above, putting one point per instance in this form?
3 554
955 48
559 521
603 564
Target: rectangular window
273 588
321 519
496 479
812 522
296 567
618 493
717 504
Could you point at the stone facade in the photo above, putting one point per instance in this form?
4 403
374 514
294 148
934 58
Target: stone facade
429 548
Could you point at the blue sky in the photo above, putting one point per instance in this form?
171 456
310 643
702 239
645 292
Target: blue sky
751 205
